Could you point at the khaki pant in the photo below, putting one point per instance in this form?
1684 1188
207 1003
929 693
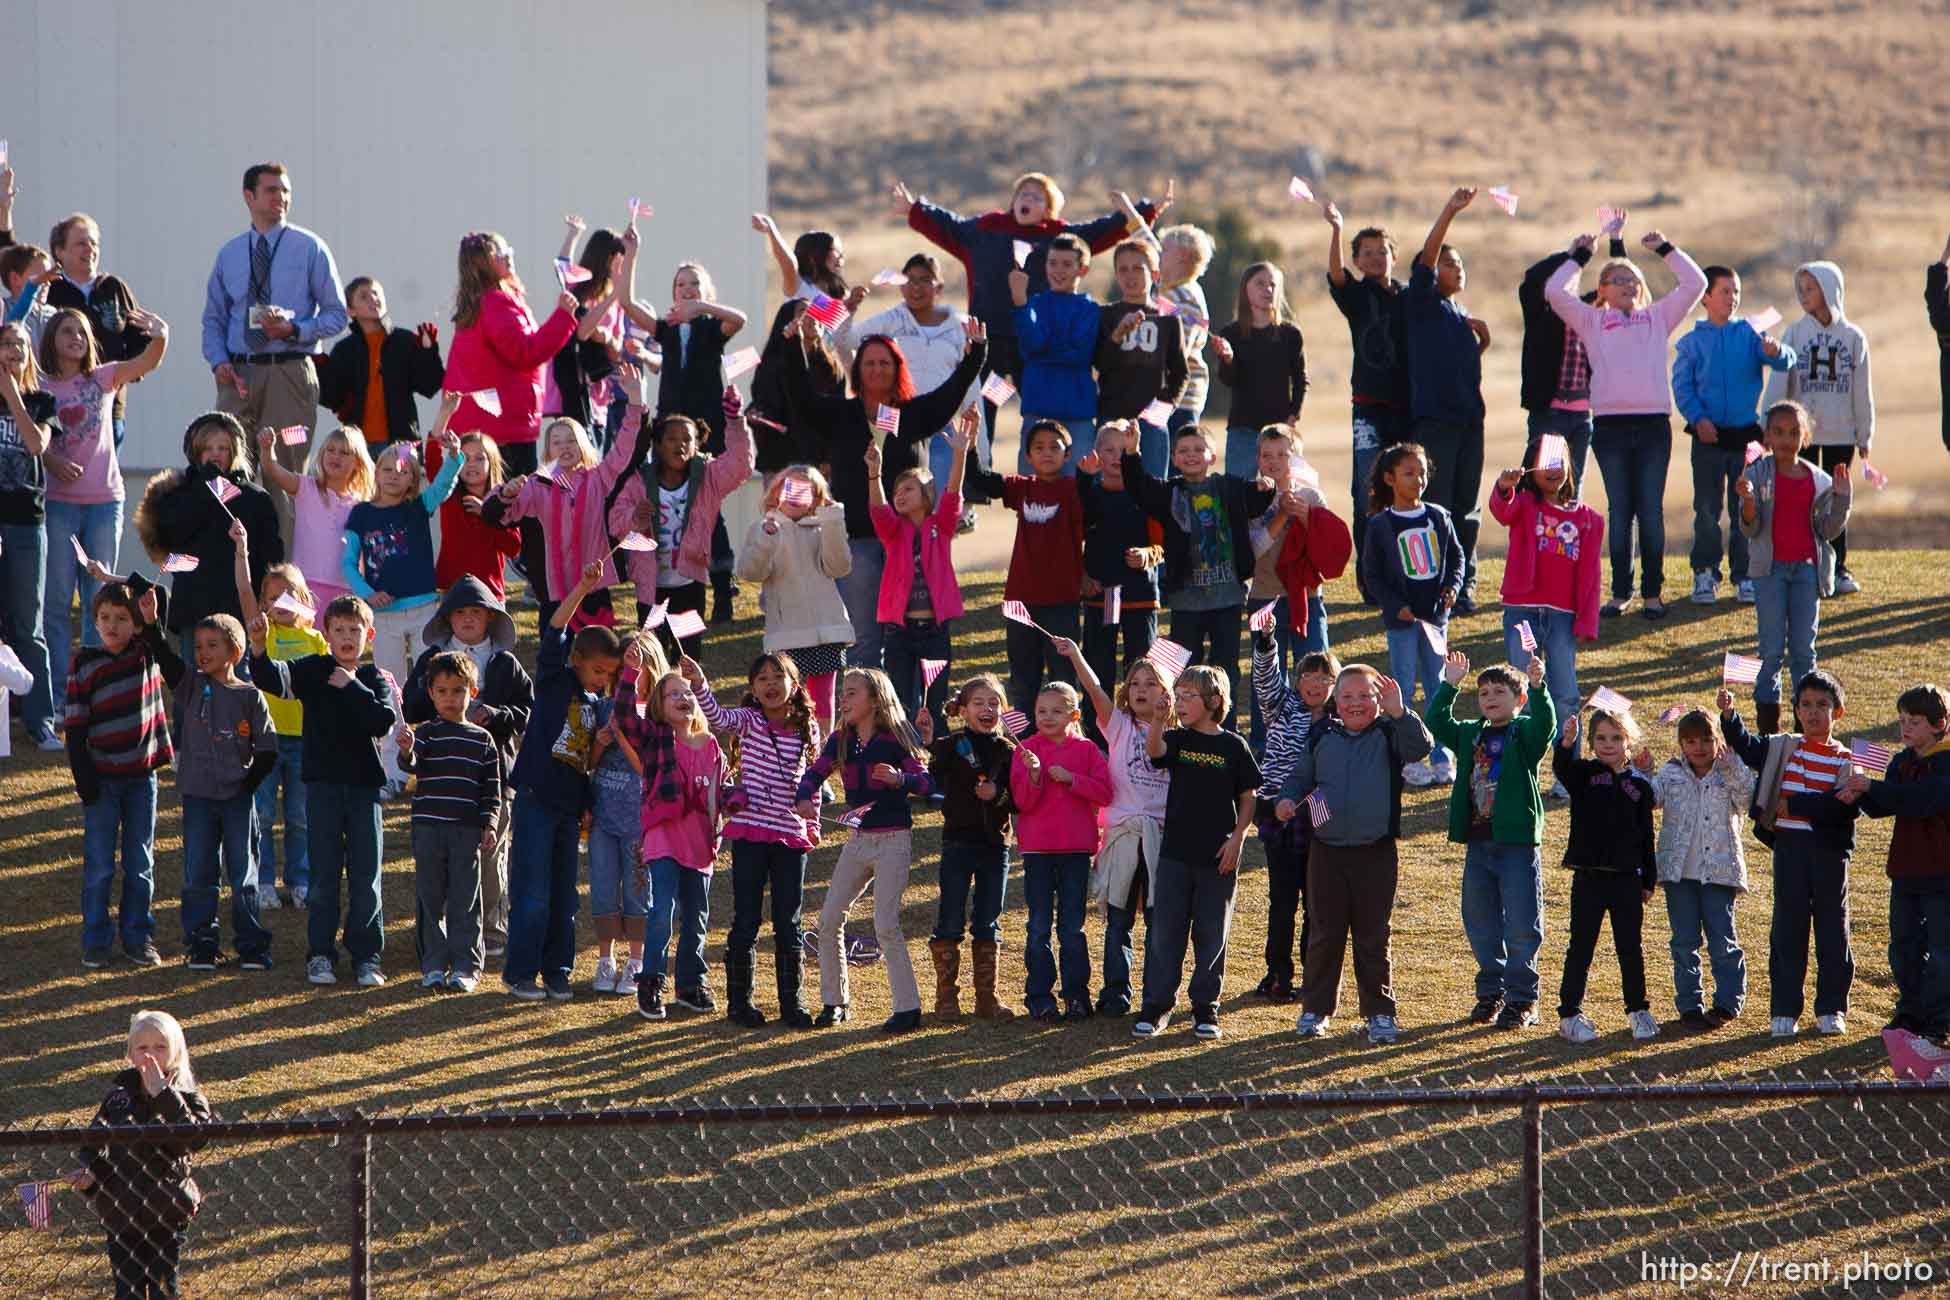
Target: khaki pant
882 858
494 876
276 397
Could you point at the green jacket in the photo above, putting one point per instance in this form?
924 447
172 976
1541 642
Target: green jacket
1519 814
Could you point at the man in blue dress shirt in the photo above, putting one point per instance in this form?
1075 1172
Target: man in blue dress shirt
273 299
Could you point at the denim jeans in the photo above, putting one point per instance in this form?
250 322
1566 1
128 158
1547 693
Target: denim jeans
1119 956
23 589
680 899
860 593
1032 656
754 865
1288 647
297 847
1136 628
1919 950
1212 635
1556 642
616 887
1242 452
214 830
99 528
1633 453
1412 658
902 648
1083 438
982 869
1190 903
1693 906
1503 918
1375 428
941 459
1154 448
1572 426
1056 887
1716 475
346 836
541 893
124 814
1456 482
1787 606
1810 891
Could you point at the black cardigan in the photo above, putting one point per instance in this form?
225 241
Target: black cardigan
1611 817
405 368
190 520
797 441
1244 502
695 385
1543 331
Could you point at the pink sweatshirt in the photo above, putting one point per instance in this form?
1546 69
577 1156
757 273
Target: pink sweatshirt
504 350
1630 374
1052 817
1553 559
570 510
937 561
722 476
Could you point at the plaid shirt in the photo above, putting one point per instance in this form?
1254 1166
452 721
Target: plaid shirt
1574 375
655 744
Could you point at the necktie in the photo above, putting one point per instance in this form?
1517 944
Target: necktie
261 270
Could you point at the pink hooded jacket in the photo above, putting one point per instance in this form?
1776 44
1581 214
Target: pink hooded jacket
1052 817
937 563
721 477
504 350
1553 557
569 506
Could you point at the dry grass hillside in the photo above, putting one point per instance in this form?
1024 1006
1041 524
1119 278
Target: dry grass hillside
1753 134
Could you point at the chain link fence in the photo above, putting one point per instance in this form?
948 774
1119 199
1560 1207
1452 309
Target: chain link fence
1578 1189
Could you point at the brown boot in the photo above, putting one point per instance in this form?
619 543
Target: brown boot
985 1004
947 970
1767 718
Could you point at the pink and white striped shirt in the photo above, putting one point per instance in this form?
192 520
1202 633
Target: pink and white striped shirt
771 759
570 509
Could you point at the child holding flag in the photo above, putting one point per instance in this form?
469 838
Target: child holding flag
919 597
797 549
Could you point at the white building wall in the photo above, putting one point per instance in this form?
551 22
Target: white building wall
405 123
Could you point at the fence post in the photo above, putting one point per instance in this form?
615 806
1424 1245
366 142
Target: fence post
361 1160
1533 1194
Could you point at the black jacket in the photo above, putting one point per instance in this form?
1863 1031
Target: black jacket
405 368
1936 297
343 724
1543 331
507 694
694 384
1243 502
580 363
1611 817
797 441
144 1184
956 761
179 513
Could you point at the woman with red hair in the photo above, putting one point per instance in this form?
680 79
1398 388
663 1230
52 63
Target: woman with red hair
845 427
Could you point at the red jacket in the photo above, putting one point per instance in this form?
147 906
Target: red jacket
469 543
504 350
1309 557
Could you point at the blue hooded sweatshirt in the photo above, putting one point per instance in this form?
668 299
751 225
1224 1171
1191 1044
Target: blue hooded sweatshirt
1058 336
1717 374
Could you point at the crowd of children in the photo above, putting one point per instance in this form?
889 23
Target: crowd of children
383 653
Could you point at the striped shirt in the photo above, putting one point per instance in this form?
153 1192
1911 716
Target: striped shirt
771 759
459 773
1288 720
1198 375
1815 767
117 707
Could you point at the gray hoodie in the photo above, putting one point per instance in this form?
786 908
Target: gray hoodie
1831 369
1359 776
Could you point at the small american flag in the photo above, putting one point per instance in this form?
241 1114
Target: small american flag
1764 321
1263 620
1437 638
1874 477
634 541
1017 612
1672 714
1740 670
1020 248
288 603
1876 758
1506 198
1317 809
1299 191
685 623
1168 656
796 492
827 311
224 491
1113 604
488 400
998 390
887 419
1157 412
80 552
1016 721
180 564
1165 306
294 435
1609 700
931 669
569 273
739 362
658 613
638 208
1553 452
852 817
1525 637
887 279
1754 452
34 1199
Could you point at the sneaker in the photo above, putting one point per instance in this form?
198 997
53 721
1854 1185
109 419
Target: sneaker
1517 1015
255 961
202 961
1310 1025
1783 1027
626 979
1418 774
1485 1010
1577 1029
1465 605
1721 1016
49 743
287 898
1275 989
1831 1024
1049 1015
1151 1022
1706 587
434 979
966 524
1655 609
1443 772
1077 1011
1746 590
1557 791
95 958
459 983
142 954
1643 1025
301 896
697 999
1205 1023
1616 608
369 975
1846 584
319 971
1382 1030
1696 1020
527 990
605 981
557 988
391 791
267 900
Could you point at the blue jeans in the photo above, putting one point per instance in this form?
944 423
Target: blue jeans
1057 888
1556 642
1033 660
125 812
1787 607
1410 659
100 529
1693 906
616 887
297 848
902 648
1716 476
860 593
23 590
1288 647
1375 428
216 829
1083 437
1154 447
1242 453
1633 453
1115 1000
1503 918
541 893
679 898
986 868
345 833
1574 427
1919 950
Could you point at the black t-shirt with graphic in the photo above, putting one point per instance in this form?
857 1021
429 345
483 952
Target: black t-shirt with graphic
23 483
1375 326
1208 774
